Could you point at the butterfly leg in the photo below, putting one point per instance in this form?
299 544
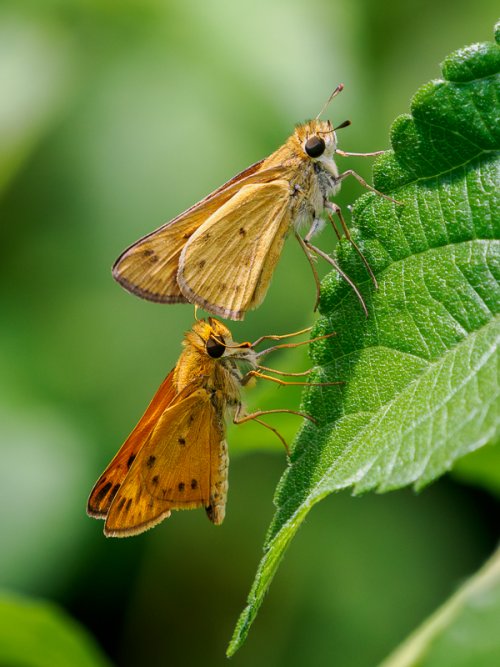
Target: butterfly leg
289 345
260 413
273 370
335 208
307 246
337 268
348 154
238 420
351 172
254 416
280 336
310 259
258 374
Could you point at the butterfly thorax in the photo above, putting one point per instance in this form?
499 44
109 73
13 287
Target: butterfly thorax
196 369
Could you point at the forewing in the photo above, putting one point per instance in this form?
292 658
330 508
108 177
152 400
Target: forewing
174 469
148 268
227 264
108 484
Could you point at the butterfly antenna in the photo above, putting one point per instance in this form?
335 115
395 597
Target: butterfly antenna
337 90
346 123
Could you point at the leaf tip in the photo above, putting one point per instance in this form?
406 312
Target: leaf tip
472 62
240 632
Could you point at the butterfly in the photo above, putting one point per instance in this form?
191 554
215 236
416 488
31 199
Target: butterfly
176 457
220 254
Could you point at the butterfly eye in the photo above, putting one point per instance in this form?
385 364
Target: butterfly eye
315 146
215 348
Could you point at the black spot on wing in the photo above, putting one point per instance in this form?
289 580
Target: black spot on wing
151 461
150 255
102 493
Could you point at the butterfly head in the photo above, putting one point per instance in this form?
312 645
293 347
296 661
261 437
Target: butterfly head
317 140
213 339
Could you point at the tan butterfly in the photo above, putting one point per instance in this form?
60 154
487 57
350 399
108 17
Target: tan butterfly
176 457
221 253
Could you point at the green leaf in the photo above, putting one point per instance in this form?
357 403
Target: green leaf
463 632
421 379
39 634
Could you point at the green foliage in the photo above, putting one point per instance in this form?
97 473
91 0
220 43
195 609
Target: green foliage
420 373
36 68
481 468
39 634
471 614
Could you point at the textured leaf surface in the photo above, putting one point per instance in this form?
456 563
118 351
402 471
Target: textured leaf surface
39 634
421 373
463 632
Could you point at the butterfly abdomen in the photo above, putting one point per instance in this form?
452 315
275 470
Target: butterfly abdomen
219 485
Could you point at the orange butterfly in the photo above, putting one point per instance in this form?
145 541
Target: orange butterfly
221 253
176 457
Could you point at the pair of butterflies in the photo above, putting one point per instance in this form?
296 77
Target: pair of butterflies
220 254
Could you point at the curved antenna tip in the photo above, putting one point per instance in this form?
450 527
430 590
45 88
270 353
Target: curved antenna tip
337 90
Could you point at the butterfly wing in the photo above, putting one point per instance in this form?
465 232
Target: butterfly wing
227 264
108 484
148 268
182 465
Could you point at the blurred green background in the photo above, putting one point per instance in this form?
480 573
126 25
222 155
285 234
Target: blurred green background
114 117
